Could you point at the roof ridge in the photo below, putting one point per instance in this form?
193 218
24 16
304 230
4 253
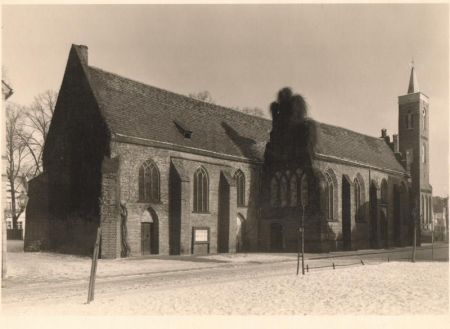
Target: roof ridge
180 95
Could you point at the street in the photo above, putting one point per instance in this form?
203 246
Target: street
245 284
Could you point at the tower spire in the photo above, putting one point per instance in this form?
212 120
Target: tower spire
413 84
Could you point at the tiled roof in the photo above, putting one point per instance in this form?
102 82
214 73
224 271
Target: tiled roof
349 145
137 110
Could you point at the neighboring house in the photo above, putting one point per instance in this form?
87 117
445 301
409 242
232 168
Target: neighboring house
162 173
21 195
7 91
440 214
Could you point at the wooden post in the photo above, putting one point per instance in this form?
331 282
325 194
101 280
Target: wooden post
94 267
414 244
303 239
432 239
298 244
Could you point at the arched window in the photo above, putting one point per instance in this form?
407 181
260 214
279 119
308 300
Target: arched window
424 149
430 209
330 196
283 191
274 192
201 190
424 115
240 188
409 120
293 186
422 216
384 192
303 191
148 182
357 188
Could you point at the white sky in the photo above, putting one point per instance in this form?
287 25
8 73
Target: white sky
349 61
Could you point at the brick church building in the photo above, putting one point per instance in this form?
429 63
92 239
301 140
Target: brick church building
166 174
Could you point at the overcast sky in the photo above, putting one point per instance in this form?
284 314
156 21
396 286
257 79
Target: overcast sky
350 62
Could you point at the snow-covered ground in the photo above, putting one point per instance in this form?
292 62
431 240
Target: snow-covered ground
395 288
239 284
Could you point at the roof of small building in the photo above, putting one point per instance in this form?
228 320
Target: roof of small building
133 109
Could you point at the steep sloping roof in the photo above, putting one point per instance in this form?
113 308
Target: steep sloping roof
137 110
346 144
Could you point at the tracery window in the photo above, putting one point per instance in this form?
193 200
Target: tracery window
357 188
201 191
240 188
409 120
330 196
149 182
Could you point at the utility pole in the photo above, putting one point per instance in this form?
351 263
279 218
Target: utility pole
432 239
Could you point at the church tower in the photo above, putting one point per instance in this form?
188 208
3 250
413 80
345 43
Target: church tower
413 129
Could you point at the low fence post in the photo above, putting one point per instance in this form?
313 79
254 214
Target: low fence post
94 267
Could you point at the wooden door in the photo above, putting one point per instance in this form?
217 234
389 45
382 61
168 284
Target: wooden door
145 238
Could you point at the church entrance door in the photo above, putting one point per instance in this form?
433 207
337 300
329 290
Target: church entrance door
146 238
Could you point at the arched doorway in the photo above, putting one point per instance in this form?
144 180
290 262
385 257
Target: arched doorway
346 215
276 237
149 232
240 223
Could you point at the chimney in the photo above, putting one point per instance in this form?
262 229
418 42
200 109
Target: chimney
396 145
83 52
383 133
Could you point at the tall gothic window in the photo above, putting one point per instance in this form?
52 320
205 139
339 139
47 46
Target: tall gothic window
424 149
424 114
240 187
409 120
302 195
201 190
148 182
357 199
274 192
330 196
283 191
293 189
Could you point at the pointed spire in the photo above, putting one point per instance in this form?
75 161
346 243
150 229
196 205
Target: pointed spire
413 84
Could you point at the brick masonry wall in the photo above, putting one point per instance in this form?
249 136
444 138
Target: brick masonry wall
133 156
325 235
36 216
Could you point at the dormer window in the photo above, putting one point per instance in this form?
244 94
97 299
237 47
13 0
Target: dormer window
182 129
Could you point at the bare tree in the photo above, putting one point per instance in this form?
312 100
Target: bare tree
38 117
203 96
256 111
16 157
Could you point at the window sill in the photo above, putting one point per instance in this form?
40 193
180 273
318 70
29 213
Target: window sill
201 213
